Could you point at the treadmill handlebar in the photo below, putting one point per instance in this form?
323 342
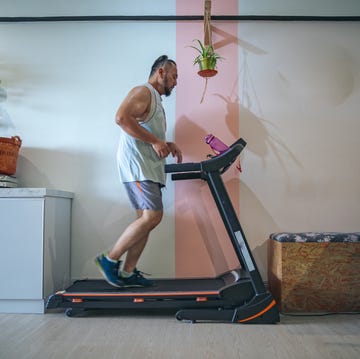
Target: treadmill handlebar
213 164
183 167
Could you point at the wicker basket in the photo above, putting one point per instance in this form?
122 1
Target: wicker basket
9 152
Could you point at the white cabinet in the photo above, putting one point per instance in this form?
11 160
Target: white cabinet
35 225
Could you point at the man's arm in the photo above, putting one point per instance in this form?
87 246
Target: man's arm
134 109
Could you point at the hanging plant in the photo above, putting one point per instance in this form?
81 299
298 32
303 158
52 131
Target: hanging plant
206 60
207 57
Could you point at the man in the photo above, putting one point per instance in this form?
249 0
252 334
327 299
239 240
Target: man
141 158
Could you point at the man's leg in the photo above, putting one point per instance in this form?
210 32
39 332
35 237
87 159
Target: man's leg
134 238
145 194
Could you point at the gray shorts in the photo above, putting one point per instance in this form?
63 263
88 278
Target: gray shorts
144 195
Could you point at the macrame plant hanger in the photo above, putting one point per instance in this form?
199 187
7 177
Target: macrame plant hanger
207 42
207 24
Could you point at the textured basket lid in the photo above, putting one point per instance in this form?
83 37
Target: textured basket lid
316 237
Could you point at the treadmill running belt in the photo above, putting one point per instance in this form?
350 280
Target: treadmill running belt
162 285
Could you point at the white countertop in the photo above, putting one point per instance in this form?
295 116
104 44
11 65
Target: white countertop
33 193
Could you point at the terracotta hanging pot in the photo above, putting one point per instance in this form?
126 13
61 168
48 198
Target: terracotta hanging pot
207 67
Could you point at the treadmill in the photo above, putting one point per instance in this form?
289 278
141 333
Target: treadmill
237 296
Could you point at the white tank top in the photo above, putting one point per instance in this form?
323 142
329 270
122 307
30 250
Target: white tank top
137 160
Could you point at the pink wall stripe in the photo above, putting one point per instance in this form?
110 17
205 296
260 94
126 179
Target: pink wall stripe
201 243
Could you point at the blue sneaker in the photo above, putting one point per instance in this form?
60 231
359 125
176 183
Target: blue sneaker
109 270
137 280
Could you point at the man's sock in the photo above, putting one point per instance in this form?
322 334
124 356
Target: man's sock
109 259
126 274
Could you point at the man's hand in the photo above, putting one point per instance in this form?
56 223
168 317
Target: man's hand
161 148
175 151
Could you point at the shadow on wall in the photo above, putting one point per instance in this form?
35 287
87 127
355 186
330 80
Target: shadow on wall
67 168
261 141
257 224
6 125
228 39
207 220
191 137
96 212
195 214
7 128
20 81
253 129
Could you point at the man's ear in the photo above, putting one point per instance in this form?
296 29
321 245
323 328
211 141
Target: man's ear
161 71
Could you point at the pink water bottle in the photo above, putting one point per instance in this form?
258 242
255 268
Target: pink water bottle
216 145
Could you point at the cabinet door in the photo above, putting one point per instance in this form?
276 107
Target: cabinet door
21 248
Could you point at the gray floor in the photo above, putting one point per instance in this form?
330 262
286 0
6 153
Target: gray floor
155 335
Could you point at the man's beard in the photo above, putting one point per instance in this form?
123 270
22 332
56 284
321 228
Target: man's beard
167 90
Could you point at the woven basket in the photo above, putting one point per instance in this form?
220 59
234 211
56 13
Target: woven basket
9 152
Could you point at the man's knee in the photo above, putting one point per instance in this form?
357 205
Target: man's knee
152 218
